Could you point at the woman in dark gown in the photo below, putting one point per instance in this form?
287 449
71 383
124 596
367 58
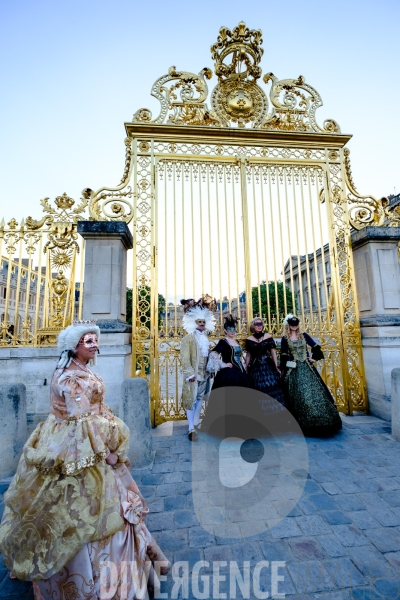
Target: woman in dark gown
226 359
226 363
308 398
262 362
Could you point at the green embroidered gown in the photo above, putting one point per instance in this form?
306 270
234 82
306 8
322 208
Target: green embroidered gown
308 398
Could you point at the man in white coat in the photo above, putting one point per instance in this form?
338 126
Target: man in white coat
195 348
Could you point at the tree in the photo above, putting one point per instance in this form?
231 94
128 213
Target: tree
270 289
145 296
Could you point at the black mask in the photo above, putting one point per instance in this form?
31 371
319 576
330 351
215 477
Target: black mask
294 321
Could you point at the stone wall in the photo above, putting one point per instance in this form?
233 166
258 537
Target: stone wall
34 368
377 273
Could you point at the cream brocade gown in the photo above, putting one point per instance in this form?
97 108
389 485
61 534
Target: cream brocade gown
67 511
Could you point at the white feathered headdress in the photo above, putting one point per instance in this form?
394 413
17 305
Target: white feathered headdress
197 312
69 338
288 317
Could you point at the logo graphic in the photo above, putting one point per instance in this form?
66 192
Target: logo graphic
250 463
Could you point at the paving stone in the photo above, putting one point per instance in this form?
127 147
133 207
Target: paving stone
332 545
218 553
185 518
211 515
343 572
285 588
371 562
178 450
321 475
394 559
335 517
166 458
227 533
164 443
200 538
217 498
391 498
165 489
277 550
362 593
349 487
14 589
311 487
286 528
185 457
308 577
283 508
384 538
363 519
252 530
313 525
369 485
159 521
182 466
388 483
191 555
175 477
163 468
249 551
174 502
307 548
173 540
372 500
184 488
331 488
152 479
306 506
155 504
389 588
349 502
322 502
350 535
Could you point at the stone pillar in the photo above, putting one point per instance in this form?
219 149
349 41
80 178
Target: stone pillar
104 290
13 428
396 404
134 410
377 274
104 299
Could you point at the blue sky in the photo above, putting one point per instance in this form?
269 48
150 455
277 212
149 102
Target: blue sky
73 72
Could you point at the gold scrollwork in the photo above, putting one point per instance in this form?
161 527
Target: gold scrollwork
367 210
189 109
237 97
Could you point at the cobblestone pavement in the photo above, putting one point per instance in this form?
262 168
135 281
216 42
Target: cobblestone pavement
341 541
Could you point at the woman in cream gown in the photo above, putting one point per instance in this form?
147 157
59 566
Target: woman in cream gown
73 520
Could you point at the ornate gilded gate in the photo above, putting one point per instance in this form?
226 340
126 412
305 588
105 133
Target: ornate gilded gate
250 201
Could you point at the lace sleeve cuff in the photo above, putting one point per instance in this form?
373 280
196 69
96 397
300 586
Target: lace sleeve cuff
214 363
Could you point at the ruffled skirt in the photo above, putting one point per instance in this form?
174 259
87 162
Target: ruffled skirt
118 566
310 401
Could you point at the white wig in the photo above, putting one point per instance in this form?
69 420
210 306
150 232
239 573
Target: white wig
189 319
69 338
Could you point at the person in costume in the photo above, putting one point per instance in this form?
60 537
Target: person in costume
308 398
226 359
262 363
198 319
73 504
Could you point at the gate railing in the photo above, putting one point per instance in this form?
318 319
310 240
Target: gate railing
41 274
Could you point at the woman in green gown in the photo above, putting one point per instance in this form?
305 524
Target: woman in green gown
308 398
